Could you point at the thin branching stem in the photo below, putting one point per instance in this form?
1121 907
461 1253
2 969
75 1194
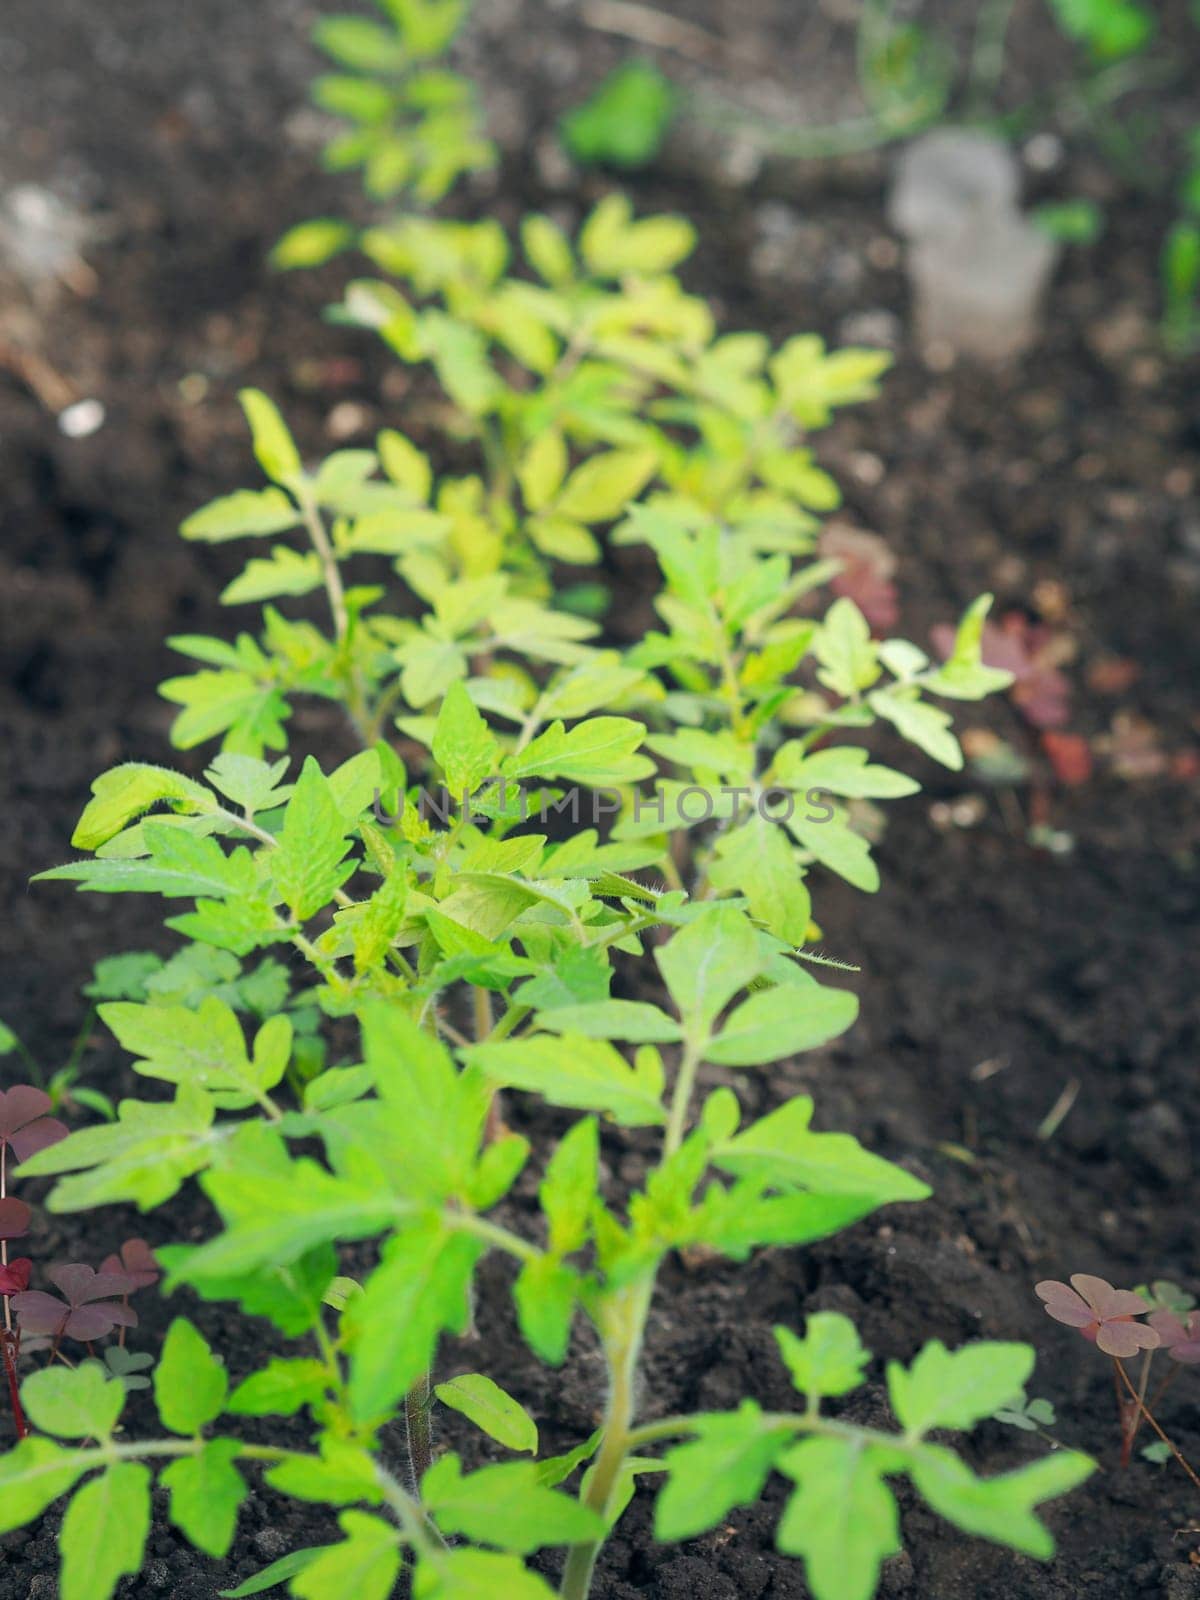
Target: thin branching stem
1145 1411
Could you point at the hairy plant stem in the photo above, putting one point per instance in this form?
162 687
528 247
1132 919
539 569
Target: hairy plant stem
623 1347
681 1097
481 1001
623 1334
8 1341
418 1429
356 706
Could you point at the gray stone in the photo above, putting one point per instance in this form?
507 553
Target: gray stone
977 267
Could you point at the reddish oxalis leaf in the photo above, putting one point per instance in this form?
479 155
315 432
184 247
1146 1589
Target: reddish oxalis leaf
24 1125
88 1309
15 1276
1180 1339
1102 1314
14 1218
135 1260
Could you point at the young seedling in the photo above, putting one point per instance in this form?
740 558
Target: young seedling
25 1128
482 949
1111 1319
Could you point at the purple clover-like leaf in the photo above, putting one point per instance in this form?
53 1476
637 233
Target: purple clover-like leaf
87 1310
1103 1315
135 1261
1179 1338
14 1218
24 1125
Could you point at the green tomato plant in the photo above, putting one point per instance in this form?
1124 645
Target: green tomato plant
375 949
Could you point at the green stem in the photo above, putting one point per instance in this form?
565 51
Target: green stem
356 707
419 1530
681 1098
623 1337
512 1018
418 1428
491 1233
624 1348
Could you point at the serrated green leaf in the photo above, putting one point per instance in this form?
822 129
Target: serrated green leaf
725 1465
755 859
841 769
273 444
612 244
848 657
505 1506
252 784
308 866
585 1074
1001 1508
280 1389
405 465
569 1188
782 1148
830 1358
707 962
73 1403
491 1409
178 864
204 1047
602 487
143 1157
392 1328
190 1384
782 1021
104 1532
366 1564
926 726
842 1518
477 1575
249 513
343 1474
290 1296
435 1112
956 1388
634 1020
283 572
249 712
32 1476
380 919
206 1491
599 750
545 1294
463 744
125 792
276 1212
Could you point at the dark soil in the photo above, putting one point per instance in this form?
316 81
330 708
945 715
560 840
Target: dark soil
994 974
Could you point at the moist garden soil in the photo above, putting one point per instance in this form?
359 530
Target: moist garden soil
995 974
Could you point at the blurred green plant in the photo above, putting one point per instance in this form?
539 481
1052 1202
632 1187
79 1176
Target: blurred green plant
624 122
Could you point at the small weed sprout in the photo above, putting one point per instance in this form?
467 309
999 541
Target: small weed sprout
1121 1323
